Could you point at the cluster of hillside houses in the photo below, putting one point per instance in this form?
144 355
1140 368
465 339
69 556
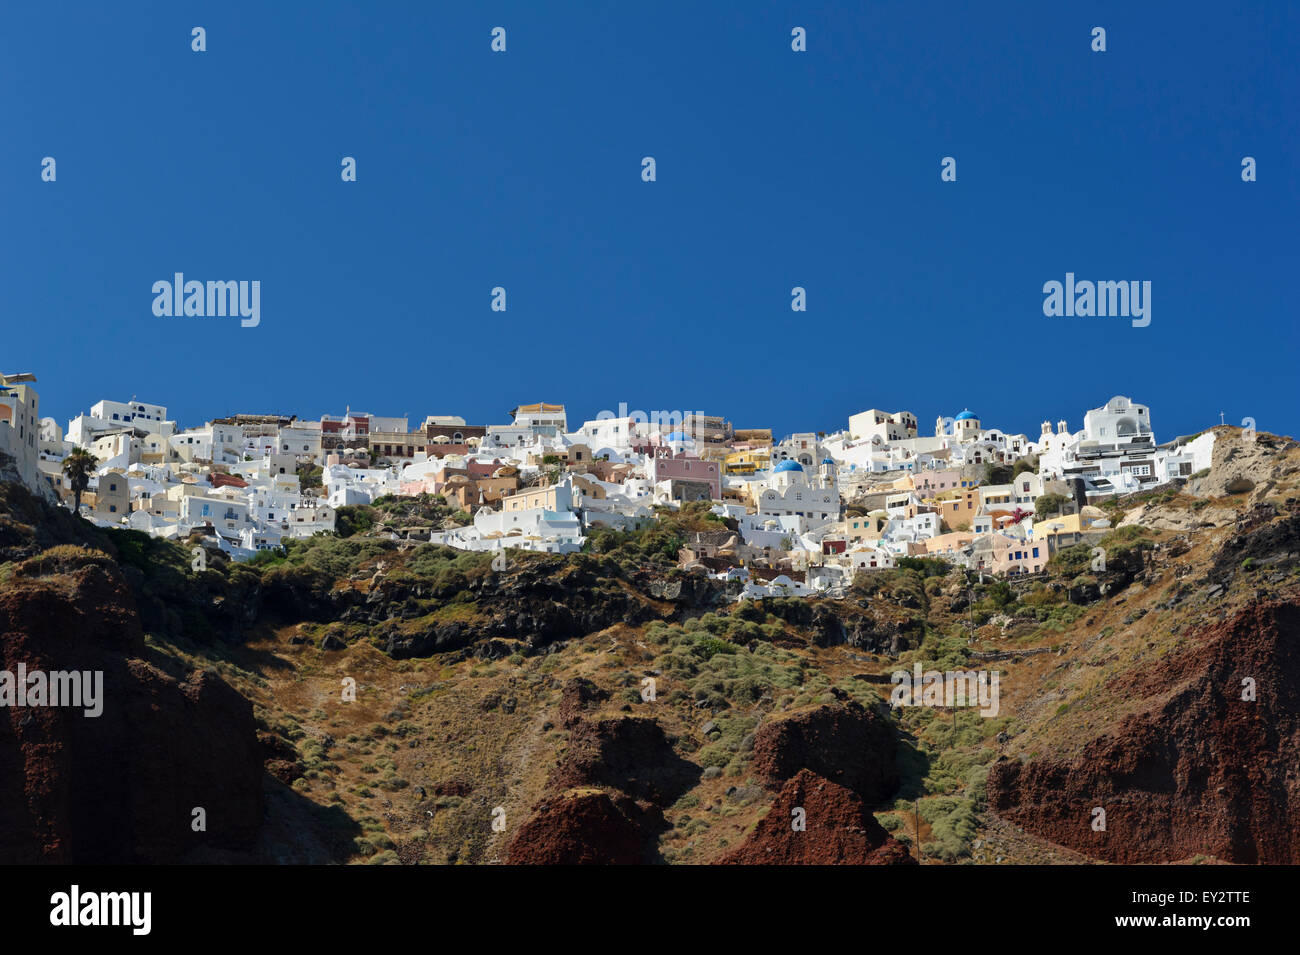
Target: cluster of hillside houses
801 514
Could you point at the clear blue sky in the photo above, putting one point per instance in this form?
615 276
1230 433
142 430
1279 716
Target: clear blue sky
775 169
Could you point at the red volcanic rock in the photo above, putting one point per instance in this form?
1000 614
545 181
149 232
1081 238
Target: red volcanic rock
1201 771
453 787
279 757
586 828
579 694
606 792
840 830
844 742
120 787
631 754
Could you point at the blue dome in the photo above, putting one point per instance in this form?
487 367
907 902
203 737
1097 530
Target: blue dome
828 460
787 466
965 415
677 436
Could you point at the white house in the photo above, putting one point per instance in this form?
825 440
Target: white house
303 442
106 415
870 424
534 528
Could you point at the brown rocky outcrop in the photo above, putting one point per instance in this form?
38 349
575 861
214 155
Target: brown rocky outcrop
630 754
1268 543
839 829
831 623
120 787
844 742
279 757
606 795
586 828
532 603
1238 465
578 695
1199 770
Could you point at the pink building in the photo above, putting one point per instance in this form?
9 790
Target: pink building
478 469
428 485
665 466
931 483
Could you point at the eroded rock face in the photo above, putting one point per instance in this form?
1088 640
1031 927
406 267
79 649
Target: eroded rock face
1201 771
843 742
578 695
839 829
605 798
1238 466
845 623
586 828
120 787
630 754
539 604
1267 542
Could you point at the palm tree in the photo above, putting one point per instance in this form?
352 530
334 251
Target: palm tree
79 465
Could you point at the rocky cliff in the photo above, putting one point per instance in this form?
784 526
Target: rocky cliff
122 786
1209 765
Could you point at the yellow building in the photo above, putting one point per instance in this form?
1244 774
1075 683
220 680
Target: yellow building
747 462
867 528
557 497
1069 523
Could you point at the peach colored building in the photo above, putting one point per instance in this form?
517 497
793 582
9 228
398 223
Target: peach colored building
957 508
947 543
1013 556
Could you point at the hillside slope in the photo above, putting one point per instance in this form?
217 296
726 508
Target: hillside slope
369 700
